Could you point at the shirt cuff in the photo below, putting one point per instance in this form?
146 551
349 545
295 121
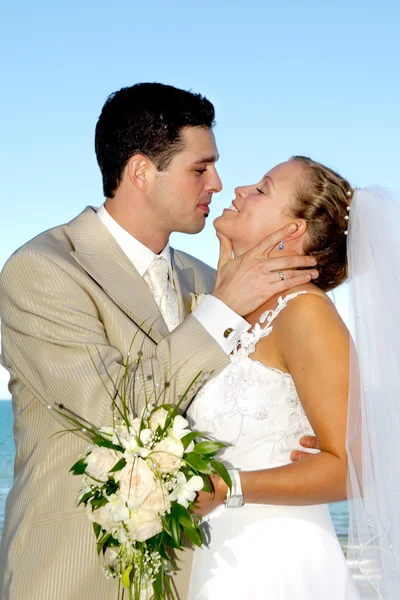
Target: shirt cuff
221 322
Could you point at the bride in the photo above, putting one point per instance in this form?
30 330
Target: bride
271 536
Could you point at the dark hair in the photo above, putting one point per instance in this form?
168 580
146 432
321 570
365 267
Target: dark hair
322 199
146 118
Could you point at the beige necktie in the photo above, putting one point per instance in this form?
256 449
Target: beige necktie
159 279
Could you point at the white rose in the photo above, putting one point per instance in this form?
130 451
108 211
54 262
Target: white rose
136 481
158 500
158 418
143 524
101 516
100 462
167 454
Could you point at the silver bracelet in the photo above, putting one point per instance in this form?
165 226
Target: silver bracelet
234 497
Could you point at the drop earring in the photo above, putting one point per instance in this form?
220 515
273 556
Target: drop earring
281 245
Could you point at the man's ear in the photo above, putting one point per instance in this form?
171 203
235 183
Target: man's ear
140 171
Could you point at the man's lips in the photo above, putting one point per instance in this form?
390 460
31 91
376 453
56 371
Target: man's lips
205 207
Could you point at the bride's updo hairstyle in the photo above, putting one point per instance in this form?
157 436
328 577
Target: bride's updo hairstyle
323 200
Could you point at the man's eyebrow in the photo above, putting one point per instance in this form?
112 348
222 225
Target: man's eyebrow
268 178
206 159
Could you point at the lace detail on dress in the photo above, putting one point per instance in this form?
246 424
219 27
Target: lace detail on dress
249 339
254 408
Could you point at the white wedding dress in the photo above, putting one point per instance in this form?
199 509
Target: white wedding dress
260 551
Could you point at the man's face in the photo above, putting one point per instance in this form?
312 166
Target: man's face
181 195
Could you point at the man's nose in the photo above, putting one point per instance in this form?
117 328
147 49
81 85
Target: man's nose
215 184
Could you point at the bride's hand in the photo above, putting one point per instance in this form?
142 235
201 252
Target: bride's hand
308 441
205 502
246 282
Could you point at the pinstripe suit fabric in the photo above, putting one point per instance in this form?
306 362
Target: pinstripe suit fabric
68 296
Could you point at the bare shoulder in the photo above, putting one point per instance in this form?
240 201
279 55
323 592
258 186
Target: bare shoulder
309 319
304 300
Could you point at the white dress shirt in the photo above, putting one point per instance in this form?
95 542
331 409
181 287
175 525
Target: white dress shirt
221 322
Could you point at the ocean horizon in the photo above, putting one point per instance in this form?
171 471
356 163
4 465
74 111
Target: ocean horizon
338 510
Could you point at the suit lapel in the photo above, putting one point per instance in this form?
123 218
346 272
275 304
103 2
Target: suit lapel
184 281
102 258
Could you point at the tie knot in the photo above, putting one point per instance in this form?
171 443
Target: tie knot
159 268
157 275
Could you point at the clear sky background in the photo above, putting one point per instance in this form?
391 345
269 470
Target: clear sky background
320 78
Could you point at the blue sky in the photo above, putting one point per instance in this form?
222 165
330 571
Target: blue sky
310 77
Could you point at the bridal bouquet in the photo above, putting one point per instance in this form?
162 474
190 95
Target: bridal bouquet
139 484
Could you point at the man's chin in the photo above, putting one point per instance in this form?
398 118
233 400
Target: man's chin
193 227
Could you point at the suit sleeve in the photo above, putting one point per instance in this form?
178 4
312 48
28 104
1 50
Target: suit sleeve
54 342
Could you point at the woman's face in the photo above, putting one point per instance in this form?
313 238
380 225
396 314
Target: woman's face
262 208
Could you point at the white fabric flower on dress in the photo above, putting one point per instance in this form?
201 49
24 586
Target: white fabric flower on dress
185 491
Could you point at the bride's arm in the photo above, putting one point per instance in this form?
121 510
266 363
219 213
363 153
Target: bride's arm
314 344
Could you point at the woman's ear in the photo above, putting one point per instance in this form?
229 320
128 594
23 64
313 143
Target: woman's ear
302 227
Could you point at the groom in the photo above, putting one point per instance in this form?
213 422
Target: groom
81 292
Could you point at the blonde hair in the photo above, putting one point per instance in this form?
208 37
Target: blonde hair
322 200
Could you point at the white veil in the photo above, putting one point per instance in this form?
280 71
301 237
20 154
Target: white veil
373 436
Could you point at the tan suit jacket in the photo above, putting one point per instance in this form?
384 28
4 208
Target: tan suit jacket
66 296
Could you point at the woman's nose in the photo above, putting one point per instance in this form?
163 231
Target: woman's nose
241 191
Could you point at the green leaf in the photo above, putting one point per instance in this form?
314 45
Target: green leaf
158 584
163 552
208 447
189 437
182 515
98 440
176 534
102 541
98 502
222 472
166 524
79 467
194 536
85 498
120 465
207 487
197 463
111 487
97 529
169 541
